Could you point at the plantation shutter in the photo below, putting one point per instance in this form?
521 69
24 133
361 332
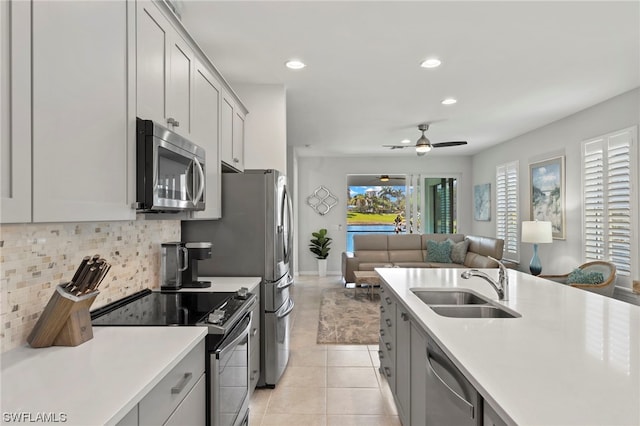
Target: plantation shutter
608 167
507 209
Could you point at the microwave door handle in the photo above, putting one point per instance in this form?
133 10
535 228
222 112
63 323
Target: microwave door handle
189 174
201 189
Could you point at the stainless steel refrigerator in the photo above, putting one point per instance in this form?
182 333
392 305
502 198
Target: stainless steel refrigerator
254 238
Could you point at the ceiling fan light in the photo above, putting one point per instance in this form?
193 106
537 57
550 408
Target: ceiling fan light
384 178
423 145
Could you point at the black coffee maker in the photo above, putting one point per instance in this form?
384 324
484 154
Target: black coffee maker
197 251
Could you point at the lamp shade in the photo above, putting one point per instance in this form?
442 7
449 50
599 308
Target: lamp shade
536 232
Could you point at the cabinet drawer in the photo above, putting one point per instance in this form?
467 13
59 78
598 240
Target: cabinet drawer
192 411
160 402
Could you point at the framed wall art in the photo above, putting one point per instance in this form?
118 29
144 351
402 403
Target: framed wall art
548 194
482 202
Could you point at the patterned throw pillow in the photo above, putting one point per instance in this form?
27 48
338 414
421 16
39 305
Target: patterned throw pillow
458 250
578 276
439 252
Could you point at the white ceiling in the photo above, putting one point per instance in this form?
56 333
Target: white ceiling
513 66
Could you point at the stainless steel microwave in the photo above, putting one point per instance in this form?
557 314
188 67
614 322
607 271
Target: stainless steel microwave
170 174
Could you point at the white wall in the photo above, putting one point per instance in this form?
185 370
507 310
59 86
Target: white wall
562 137
265 133
331 172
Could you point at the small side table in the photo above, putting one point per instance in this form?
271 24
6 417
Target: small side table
369 278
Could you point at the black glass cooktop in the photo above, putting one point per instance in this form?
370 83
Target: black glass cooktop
147 308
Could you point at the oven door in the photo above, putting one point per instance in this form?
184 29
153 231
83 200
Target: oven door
229 369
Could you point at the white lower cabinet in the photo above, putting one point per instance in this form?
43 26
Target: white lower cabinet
418 400
178 399
403 363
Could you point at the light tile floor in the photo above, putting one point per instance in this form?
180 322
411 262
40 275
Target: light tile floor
324 385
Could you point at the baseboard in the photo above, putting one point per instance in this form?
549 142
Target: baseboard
329 273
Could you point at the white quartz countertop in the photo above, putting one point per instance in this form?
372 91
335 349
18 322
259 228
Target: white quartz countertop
97 382
572 358
225 284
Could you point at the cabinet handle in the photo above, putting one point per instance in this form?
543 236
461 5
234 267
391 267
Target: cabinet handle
388 321
381 289
388 345
404 317
381 332
253 375
387 300
236 160
173 122
253 332
387 371
182 384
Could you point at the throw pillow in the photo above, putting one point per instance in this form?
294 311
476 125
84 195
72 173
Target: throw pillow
459 250
439 252
578 276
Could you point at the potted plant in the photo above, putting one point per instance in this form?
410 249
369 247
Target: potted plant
319 246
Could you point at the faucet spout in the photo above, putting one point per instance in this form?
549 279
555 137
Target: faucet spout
501 286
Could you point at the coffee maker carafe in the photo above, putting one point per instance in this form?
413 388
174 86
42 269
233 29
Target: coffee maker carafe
173 262
197 251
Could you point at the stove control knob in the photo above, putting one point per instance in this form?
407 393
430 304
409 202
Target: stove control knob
243 293
216 316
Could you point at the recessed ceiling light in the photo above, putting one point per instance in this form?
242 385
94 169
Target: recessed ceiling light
295 64
449 101
430 63
405 141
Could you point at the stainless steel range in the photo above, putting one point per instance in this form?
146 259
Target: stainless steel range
228 318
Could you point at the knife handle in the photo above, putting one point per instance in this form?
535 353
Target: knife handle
76 276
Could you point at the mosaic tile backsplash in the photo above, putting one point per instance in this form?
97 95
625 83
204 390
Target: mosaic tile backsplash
34 258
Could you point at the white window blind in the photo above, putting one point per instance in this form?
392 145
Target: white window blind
609 164
507 209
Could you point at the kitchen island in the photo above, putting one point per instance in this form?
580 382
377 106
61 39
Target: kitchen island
570 358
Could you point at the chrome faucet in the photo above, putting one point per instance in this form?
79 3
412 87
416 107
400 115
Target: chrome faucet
501 287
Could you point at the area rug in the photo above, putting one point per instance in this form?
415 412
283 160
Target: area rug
348 317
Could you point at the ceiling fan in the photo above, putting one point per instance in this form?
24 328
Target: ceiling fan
387 178
424 145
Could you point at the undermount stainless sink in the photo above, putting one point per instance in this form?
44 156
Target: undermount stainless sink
461 303
473 311
449 297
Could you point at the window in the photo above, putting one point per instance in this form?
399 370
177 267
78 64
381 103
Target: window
507 209
609 165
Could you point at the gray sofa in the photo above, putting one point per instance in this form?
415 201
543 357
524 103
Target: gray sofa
410 251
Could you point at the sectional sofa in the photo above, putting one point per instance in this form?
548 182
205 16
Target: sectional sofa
411 251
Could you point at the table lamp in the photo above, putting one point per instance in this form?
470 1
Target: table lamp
536 232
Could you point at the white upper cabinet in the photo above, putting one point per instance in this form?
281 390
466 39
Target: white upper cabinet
165 67
205 131
232 134
66 134
15 112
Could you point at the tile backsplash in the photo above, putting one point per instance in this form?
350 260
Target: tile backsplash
34 258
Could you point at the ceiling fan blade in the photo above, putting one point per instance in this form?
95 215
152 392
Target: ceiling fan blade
396 146
446 144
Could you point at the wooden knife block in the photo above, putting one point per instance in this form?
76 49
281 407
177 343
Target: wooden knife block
65 320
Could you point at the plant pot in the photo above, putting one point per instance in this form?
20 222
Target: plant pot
322 267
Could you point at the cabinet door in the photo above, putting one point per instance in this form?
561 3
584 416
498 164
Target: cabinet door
179 86
205 131
152 40
238 140
226 131
403 362
15 112
81 129
418 384
192 411
254 345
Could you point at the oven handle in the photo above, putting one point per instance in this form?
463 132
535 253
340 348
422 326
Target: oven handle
287 311
240 331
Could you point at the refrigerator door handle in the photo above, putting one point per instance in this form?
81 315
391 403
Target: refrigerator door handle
287 311
285 284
